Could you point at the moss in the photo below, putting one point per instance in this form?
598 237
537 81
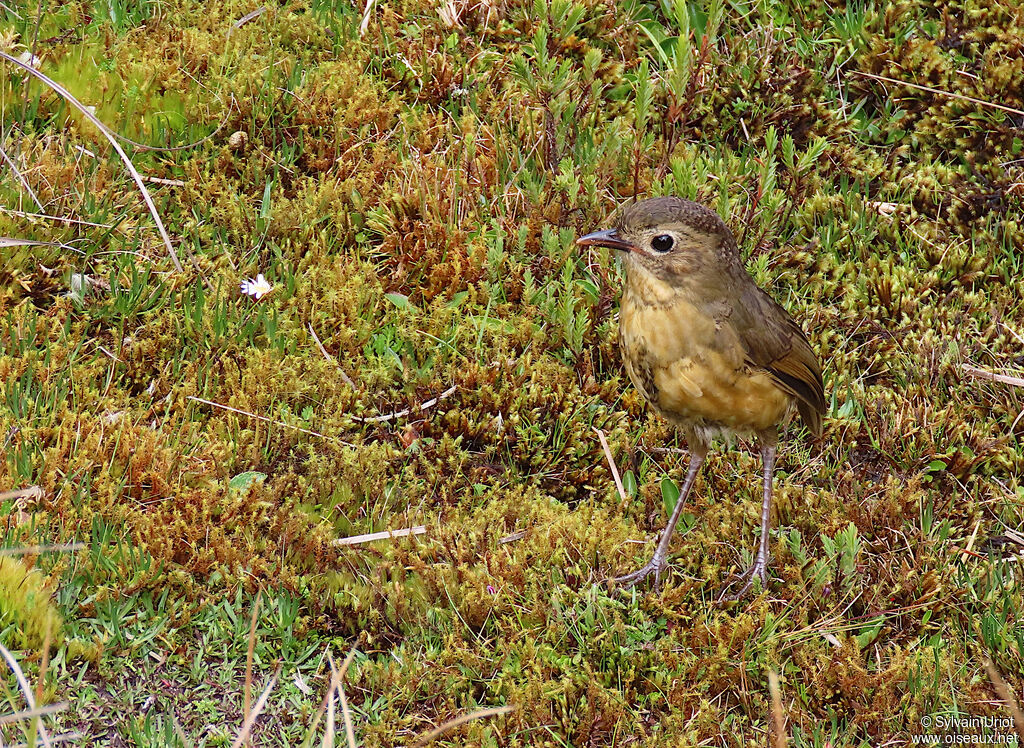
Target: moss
413 192
28 616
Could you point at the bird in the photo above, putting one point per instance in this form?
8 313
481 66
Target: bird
711 352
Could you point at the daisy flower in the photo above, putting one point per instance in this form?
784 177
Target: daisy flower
257 287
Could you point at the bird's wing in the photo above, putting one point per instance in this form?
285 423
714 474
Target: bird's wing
773 341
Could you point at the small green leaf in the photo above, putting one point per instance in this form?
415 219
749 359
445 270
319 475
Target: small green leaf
629 483
400 300
492 324
870 632
895 136
243 481
669 494
590 288
936 465
457 299
265 204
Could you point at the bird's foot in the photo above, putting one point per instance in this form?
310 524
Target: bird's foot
656 566
758 569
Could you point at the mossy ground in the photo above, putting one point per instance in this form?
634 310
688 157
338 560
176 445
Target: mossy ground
411 182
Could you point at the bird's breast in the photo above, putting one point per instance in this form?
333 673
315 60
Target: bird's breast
689 363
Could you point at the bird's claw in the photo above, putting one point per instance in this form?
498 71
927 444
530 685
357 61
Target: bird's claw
655 567
758 569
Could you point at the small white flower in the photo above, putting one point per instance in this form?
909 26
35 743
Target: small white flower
257 287
27 58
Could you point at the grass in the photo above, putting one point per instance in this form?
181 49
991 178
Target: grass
410 177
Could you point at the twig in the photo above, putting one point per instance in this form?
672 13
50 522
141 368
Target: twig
9 241
21 178
247 692
166 182
339 685
402 413
513 537
611 462
26 689
666 450
939 91
15 242
246 18
453 723
1007 696
34 549
64 737
328 356
22 214
34 713
992 376
1016 537
328 700
358 539
109 135
269 420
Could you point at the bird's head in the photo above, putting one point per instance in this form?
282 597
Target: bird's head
677 241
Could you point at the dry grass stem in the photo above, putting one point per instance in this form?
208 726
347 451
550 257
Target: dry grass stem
339 685
323 351
993 376
247 18
33 714
59 219
282 424
250 720
383 535
250 652
26 690
938 91
367 11
64 737
21 178
1006 694
403 413
611 463
453 723
110 136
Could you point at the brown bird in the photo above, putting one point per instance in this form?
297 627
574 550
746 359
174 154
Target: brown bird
710 351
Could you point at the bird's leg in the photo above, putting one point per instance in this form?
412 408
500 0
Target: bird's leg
660 560
760 566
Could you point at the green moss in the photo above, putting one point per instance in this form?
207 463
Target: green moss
412 190
28 617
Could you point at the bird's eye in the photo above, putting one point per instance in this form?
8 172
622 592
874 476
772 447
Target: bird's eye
661 243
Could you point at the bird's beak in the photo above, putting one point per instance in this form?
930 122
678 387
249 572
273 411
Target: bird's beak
607 238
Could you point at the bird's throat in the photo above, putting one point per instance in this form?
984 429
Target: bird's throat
645 288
